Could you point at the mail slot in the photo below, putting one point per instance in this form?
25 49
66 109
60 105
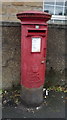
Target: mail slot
34 31
41 32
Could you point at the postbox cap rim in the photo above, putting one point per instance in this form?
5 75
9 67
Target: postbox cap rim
34 13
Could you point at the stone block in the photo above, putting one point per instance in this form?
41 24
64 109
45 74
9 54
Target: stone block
6 3
11 10
18 3
4 9
13 18
33 4
23 8
1 18
0 9
4 18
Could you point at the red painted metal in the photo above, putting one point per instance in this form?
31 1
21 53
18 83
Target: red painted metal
33 64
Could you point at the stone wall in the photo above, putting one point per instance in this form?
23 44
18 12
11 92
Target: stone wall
56 47
11 55
10 9
11 52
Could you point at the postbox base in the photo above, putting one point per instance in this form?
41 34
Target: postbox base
32 97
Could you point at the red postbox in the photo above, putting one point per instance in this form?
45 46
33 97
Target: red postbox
33 54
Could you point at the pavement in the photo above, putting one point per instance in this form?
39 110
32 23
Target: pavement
52 107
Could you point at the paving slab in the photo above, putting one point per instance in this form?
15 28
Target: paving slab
52 107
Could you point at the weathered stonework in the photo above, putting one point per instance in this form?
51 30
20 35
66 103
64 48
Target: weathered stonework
10 9
56 48
11 56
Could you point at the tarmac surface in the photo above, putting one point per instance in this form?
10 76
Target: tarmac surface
52 107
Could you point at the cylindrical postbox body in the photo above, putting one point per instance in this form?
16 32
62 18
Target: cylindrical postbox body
33 55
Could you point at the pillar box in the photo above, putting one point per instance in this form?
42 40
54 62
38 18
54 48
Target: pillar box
34 31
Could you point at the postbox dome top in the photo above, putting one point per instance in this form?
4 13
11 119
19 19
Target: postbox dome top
34 14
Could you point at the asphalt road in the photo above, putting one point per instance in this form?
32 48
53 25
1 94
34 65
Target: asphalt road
53 107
